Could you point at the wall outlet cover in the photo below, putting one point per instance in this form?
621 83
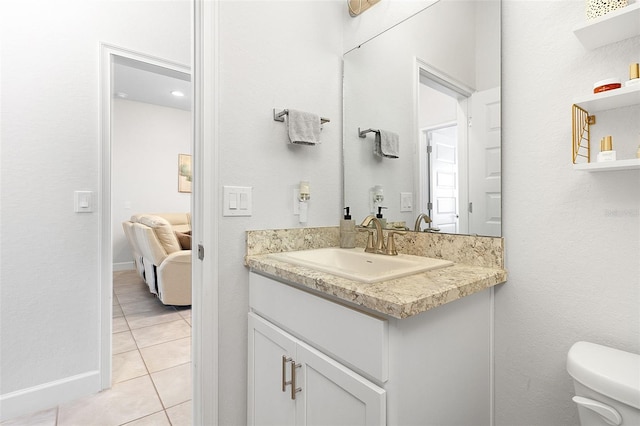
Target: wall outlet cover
406 201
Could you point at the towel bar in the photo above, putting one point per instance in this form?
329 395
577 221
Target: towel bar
279 116
363 133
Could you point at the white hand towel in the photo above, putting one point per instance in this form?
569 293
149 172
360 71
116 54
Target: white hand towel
304 127
387 144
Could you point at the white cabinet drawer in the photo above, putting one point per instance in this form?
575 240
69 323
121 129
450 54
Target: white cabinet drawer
357 339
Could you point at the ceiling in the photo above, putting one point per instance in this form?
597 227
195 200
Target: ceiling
143 82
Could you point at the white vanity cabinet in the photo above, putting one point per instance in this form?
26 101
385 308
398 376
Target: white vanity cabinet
357 368
293 384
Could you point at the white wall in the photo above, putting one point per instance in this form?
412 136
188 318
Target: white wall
487 39
377 19
272 54
435 107
145 142
50 266
572 238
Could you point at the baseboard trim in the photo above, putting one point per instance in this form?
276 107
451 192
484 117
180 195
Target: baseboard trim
124 266
48 395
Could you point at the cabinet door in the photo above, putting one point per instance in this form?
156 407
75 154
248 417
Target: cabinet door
267 404
333 394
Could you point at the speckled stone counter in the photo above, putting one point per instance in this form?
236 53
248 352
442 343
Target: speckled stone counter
478 265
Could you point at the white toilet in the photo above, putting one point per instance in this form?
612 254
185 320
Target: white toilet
607 384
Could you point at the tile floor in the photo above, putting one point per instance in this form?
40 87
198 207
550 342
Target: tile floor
151 366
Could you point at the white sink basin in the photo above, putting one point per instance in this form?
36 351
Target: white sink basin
357 265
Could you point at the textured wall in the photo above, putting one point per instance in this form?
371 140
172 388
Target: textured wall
272 54
146 140
572 238
50 266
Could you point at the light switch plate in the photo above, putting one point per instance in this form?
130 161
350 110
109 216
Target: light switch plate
237 201
83 201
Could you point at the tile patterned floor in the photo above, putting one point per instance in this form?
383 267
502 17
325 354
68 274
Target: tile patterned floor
151 366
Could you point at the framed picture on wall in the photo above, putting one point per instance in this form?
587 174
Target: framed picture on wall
185 176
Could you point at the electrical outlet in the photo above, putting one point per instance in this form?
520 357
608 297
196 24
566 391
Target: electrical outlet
406 201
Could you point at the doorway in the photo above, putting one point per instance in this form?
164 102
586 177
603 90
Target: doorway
440 145
139 84
443 146
463 171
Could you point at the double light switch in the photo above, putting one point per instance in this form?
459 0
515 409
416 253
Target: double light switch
237 201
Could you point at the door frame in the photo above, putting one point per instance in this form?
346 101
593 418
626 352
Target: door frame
456 89
206 207
107 52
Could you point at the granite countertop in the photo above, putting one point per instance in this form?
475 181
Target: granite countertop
398 298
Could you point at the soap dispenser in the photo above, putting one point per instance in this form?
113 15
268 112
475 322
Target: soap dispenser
347 231
383 221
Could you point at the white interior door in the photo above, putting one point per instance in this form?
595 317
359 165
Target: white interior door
485 197
444 179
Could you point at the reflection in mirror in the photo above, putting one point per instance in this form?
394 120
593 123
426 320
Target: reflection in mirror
434 82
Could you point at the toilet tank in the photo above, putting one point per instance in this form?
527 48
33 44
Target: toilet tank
607 384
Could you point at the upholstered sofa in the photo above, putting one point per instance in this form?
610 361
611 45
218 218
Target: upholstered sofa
160 258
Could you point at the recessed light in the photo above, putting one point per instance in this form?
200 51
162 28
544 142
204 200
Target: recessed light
177 93
122 95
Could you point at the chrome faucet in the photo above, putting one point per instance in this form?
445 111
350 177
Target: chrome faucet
379 246
427 220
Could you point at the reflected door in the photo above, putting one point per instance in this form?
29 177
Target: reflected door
444 178
485 197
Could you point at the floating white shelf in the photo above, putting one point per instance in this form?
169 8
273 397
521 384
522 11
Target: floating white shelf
618 25
615 26
616 98
607 166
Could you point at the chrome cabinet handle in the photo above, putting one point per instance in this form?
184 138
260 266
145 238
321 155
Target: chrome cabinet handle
294 389
285 360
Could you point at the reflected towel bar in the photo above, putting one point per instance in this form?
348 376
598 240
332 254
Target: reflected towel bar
279 116
363 133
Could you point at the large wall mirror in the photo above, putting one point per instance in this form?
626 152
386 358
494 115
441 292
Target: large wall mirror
432 82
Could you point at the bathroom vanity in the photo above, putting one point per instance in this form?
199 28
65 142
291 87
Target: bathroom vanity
329 350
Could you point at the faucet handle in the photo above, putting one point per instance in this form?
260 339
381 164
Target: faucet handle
370 247
391 244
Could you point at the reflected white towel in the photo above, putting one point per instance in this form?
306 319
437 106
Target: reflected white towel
304 127
387 144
